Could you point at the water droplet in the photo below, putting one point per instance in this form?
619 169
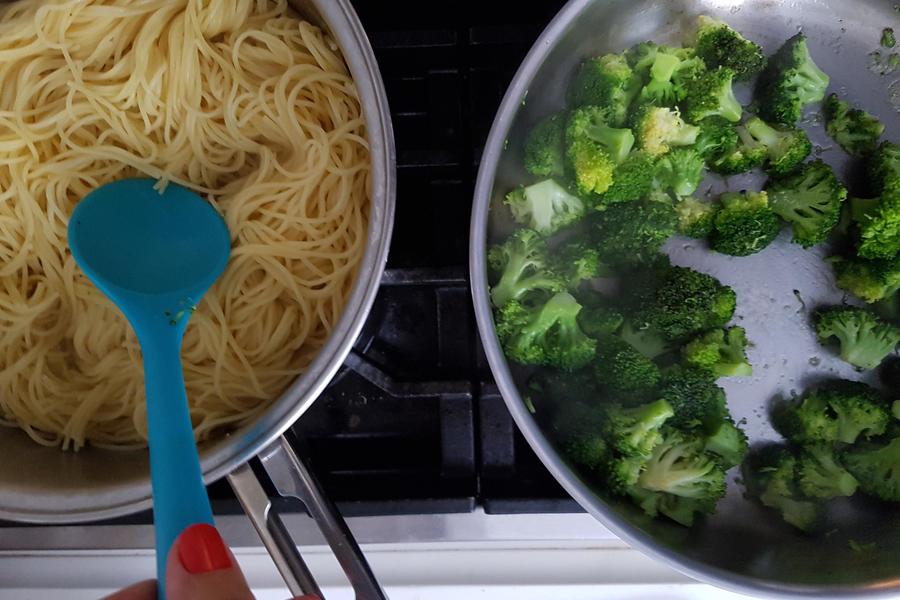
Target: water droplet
815 361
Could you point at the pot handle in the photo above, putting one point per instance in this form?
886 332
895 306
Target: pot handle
293 478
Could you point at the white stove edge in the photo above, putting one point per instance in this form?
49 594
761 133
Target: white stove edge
416 557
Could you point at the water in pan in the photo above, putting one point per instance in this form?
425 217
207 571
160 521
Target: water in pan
786 356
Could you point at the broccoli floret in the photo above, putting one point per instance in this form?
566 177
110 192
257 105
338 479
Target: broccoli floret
884 167
671 68
634 432
606 81
747 155
679 465
721 351
546 334
682 302
681 171
786 147
855 130
557 393
521 265
871 280
594 149
864 338
621 368
769 475
791 81
810 200
878 224
695 217
683 511
632 180
888 38
721 46
545 207
711 94
578 429
641 57
729 443
745 224
840 412
600 320
646 340
820 476
633 232
876 467
577 262
545 147
694 397
717 135
658 129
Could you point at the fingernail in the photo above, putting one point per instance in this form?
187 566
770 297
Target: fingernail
201 549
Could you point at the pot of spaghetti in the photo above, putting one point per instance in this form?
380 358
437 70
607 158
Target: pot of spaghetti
273 111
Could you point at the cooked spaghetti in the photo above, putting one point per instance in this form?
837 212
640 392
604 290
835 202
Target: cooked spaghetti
241 101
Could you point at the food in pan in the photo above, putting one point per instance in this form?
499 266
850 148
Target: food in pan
624 349
241 101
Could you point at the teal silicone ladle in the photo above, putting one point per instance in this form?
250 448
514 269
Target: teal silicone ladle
155 254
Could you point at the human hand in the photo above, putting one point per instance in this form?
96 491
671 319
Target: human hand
199 567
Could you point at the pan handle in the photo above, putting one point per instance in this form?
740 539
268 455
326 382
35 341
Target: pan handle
293 478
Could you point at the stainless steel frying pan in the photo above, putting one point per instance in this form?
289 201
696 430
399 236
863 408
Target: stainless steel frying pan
742 547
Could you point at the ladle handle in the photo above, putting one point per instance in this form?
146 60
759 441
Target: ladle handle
179 496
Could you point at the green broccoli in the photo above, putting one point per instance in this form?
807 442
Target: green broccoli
878 223
577 262
884 167
606 81
791 81
729 443
679 465
681 302
632 232
876 466
787 148
695 217
717 136
871 280
632 180
545 147
746 155
600 320
545 207
671 68
840 412
645 339
711 94
820 476
681 171
658 128
721 351
864 338
888 38
546 334
682 510
621 368
641 56
556 393
521 268
769 474
855 130
745 224
721 46
810 200
634 432
594 149
696 400
578 430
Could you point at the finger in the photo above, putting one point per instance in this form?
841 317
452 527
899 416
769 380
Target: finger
201 567
145 590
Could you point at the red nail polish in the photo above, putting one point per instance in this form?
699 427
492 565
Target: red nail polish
201 549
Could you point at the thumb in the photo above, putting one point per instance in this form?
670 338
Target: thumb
201 567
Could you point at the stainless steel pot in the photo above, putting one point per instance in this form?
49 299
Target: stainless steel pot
742 547
44 485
